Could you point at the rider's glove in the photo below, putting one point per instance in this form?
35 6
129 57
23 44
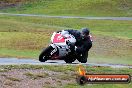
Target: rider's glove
71 47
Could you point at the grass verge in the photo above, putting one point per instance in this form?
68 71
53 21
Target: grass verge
120 29
71 7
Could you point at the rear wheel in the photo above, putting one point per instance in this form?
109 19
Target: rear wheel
69 58
45 54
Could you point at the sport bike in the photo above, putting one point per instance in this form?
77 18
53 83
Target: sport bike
60 48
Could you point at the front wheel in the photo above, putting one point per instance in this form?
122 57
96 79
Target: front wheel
45 54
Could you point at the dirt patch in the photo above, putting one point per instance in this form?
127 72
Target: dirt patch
17 78
111 46
4 4
8 4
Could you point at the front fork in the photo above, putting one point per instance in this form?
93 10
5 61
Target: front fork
54 49
54 54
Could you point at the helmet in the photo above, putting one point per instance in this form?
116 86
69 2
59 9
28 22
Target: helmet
85 31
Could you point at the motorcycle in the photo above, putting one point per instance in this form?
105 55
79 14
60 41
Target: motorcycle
60 48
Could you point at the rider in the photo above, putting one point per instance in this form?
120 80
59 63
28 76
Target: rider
83 43
84 46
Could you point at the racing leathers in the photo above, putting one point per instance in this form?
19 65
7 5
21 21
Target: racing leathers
82 49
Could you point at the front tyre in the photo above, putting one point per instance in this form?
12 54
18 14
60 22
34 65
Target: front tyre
45 54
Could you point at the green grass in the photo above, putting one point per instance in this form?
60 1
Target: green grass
5 52
36 76
75 7
111 60
54 68
98 86
3 70
70 68
13 79
24 37
121 29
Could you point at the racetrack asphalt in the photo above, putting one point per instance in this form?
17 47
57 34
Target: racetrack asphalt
76 17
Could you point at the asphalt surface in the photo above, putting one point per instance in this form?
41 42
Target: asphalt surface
15 61
76 17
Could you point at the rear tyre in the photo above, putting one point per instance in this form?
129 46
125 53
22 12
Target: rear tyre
45 54
69 58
